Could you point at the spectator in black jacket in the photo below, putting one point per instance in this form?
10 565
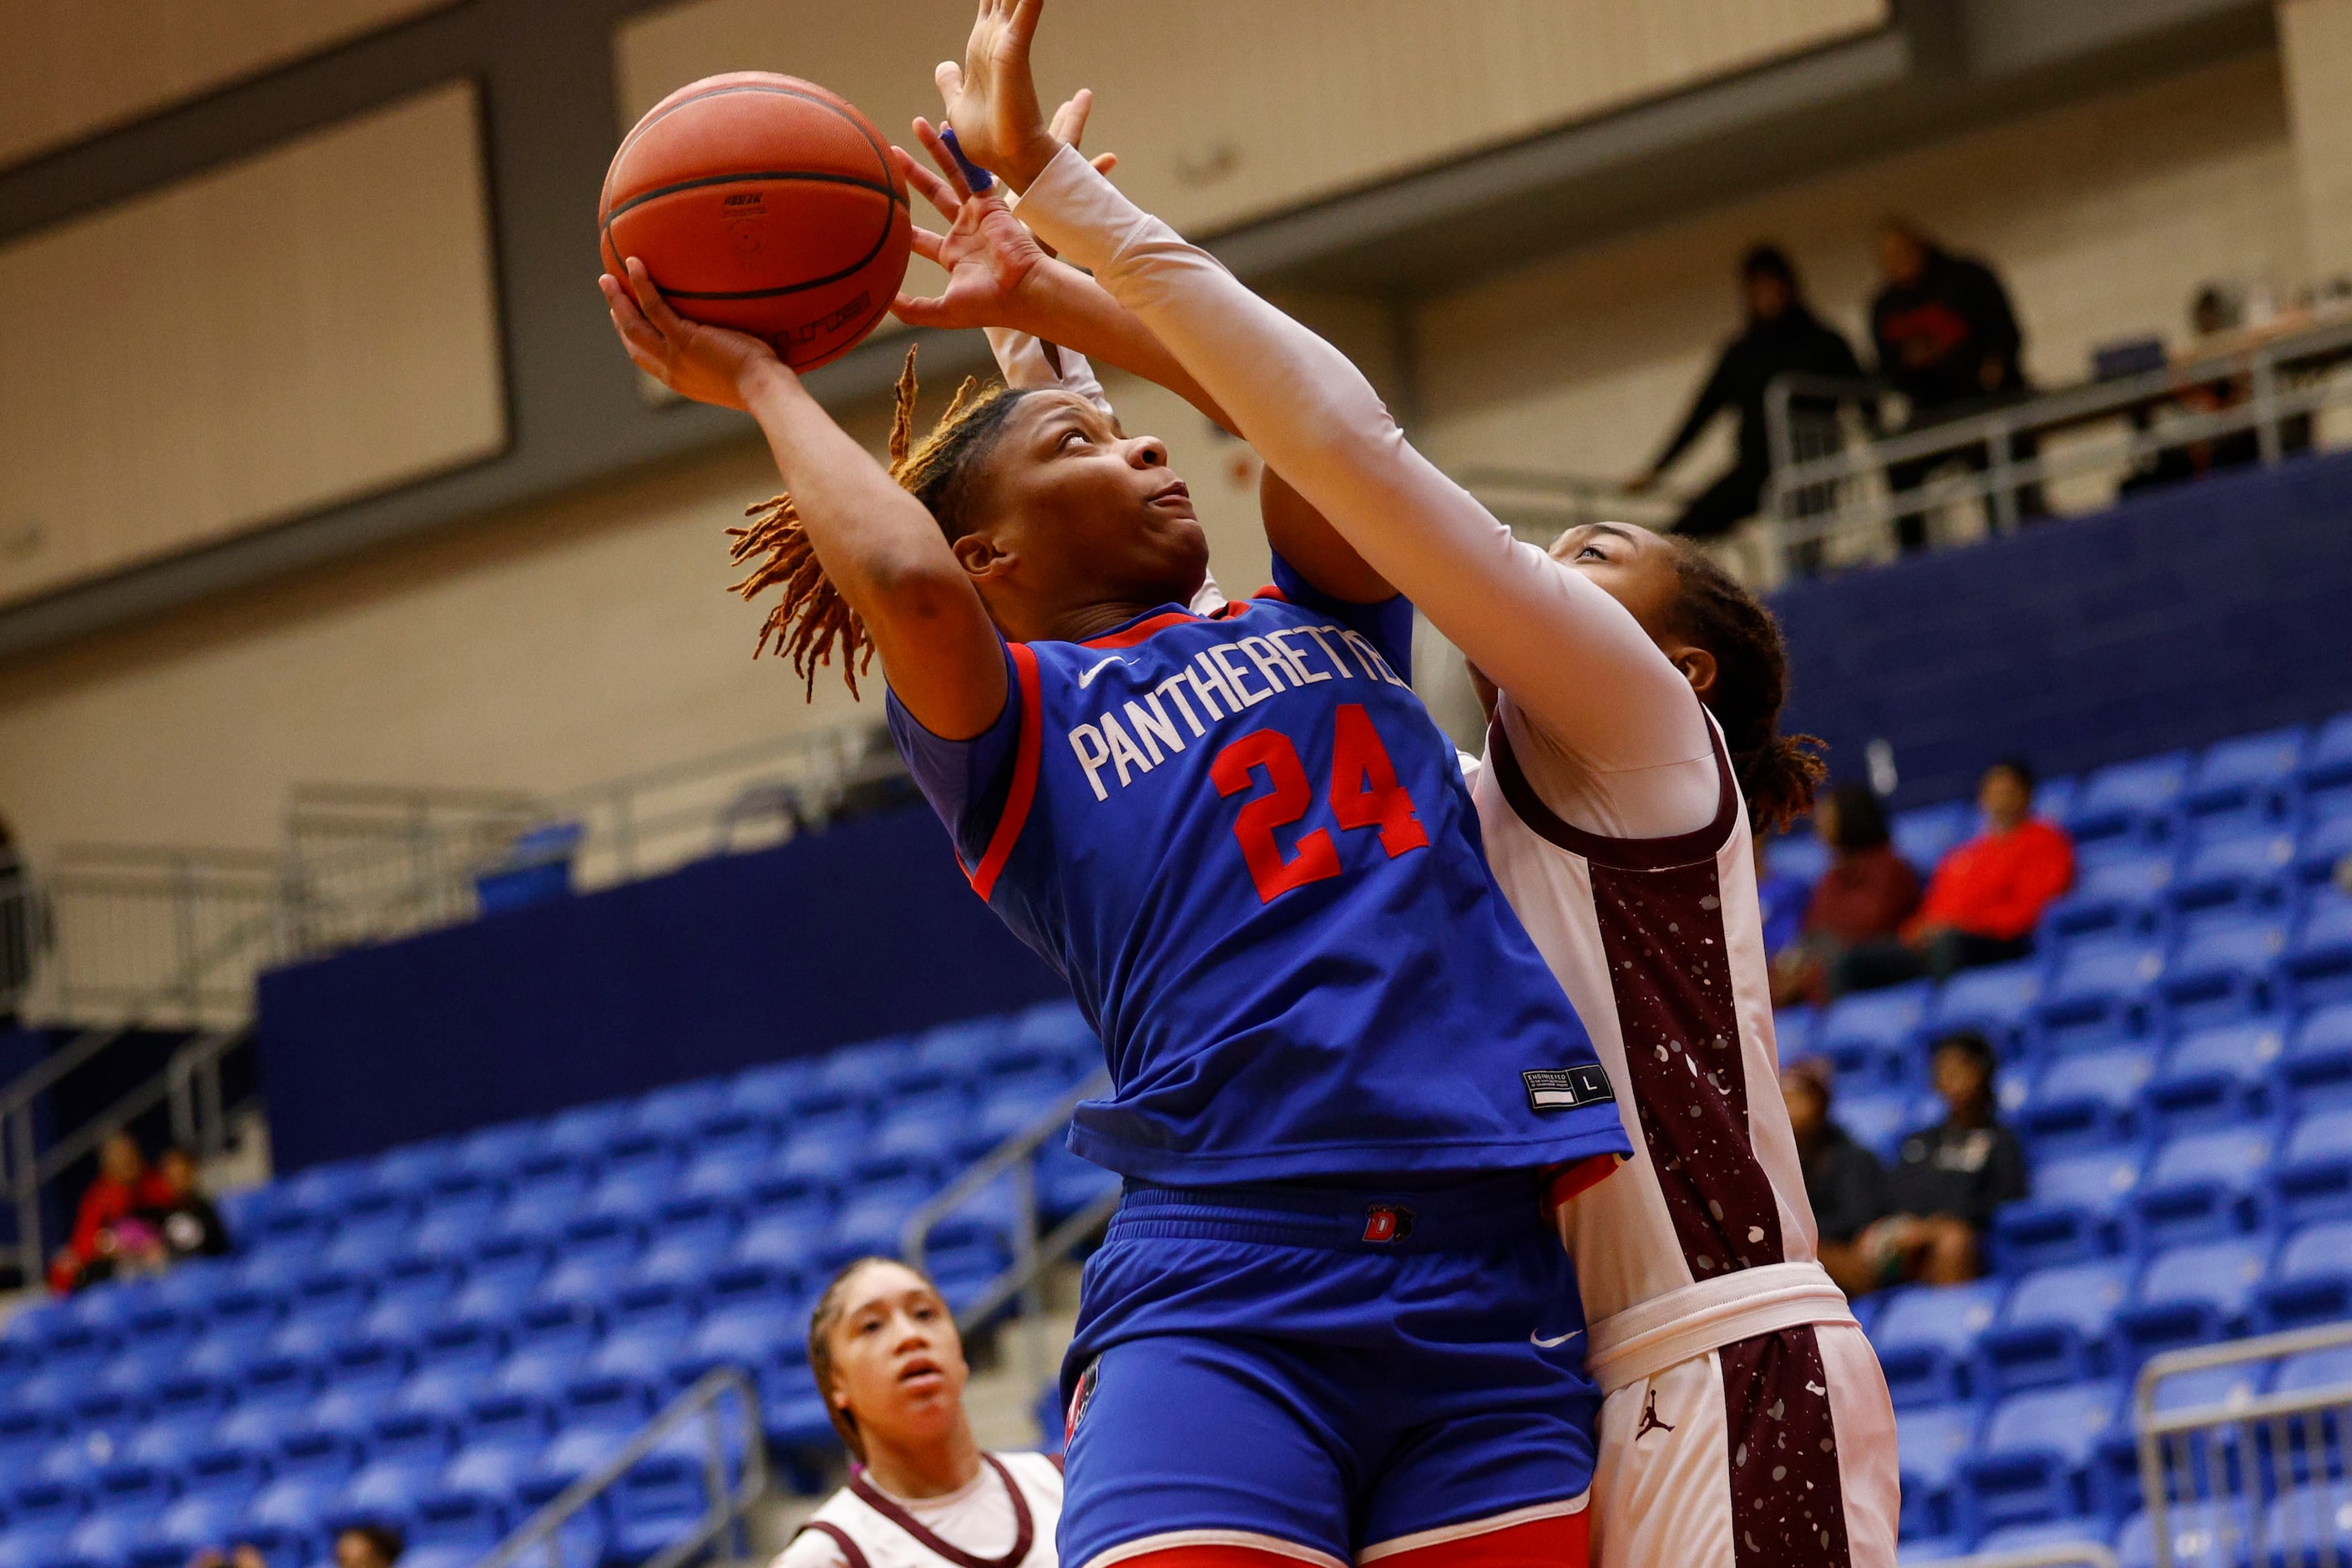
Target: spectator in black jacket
1843 1181
184 1221
1947 340
1950 1179
1783 335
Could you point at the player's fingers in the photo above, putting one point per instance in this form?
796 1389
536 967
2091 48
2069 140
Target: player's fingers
950 78
933 189
927 244
1105 163
1070 121
656 309
935 145
919 311
626 317
1021 26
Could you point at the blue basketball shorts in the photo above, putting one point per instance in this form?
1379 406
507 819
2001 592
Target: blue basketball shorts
1343 1373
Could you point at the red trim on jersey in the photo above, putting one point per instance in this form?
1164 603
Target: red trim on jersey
1270 591
1565 1182
1024 792
1558 1541
1157 624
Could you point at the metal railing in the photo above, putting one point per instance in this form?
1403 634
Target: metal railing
1014 1161
159 935
1831 494
2260 1478
728 1499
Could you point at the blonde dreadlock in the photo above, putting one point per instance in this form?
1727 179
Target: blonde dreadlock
812 618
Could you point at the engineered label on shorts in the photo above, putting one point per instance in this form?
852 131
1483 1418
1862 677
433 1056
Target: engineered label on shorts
1565 1088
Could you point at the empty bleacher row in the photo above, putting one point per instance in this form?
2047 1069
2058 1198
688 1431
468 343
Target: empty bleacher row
445 1336
2176 1058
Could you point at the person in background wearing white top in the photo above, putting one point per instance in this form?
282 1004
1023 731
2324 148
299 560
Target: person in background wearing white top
885 1353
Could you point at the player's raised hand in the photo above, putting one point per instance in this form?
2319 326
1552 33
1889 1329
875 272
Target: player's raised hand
988 255
992 98
709 364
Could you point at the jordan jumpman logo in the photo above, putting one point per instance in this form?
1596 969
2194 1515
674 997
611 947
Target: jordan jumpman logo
1650 1422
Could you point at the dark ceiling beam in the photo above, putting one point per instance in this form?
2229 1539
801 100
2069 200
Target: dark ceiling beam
576 416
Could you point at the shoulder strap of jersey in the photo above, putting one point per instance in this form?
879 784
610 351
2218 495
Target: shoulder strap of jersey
1624 854
1024 1527
849 1549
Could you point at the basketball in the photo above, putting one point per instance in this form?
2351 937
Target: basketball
765 204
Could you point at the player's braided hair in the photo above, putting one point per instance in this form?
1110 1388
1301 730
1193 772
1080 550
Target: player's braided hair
1777 773
823 1320
813 619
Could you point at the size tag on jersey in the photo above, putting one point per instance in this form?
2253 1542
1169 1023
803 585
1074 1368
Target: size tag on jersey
1565 1088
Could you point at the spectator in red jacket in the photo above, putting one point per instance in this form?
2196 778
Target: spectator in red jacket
1984 901
124 1185
1865 895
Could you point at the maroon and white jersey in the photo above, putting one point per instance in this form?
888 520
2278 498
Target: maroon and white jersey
1659 943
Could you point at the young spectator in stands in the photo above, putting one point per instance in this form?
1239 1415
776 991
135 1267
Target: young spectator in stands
1948 1180
123 1185
1947 340
883 1348
1783 335
1865 895
184 1222
1843 1181
356 1546
1985 898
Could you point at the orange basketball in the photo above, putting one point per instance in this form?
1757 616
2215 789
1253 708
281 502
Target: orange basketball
763 202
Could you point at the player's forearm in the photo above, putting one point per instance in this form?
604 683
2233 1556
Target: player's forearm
1568 653
1073 310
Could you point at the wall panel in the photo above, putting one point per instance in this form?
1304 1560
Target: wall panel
1226 109
73 68
304 326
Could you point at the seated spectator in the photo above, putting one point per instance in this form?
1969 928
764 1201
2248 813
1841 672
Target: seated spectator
1948 1180
187 1225
1983 901
124 1185
356 1546
1865 895
1843 1181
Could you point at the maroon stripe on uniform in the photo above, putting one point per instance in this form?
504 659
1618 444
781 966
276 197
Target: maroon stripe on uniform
1662 933
1787 1507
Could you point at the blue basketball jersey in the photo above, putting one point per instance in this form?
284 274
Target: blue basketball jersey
1245 843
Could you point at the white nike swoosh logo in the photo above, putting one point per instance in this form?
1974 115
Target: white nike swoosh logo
1542 1343
1087 679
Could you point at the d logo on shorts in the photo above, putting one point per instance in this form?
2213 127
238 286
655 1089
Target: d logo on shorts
1079 1400
1387 1222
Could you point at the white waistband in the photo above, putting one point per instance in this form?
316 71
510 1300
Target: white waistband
1651 1336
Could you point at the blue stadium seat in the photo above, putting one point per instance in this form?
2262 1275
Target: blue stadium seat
2200 1186
1801 856
787 1226
496 1150
685 1258
822 1146
1792 1030
922 1128
1866 1034
2012 1538
1930 1446
189 1526
1877 1121
1925 835
2213 1076
676 1110
460 1208
1067 1184
1012 1105
2202 1388
2220 967
2189 1295
1996 1001
503 1274
2328 759
2312 1178
638 1173
1059 1026
773 1089
2034 1464
2053 1327
2318 968
2315 1518
191 1284
2245 775
2074 1213
414 1167
863 1070
2233 864
727 1169
660 1499
872 1217
584 1131
411 1294
2311 1279
2085 1101
2097 985
326 1188
594 1253
2137 798
1925 1335
2328 1368
2325 837
545 1190
453 1528
2115 897
963 1049
550 1343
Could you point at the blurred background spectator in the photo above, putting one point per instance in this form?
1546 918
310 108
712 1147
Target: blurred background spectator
106 1227
1865 895
1984 898
1947 340
356 1546
183 1221
1783 335
1948 1179
1843 1181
